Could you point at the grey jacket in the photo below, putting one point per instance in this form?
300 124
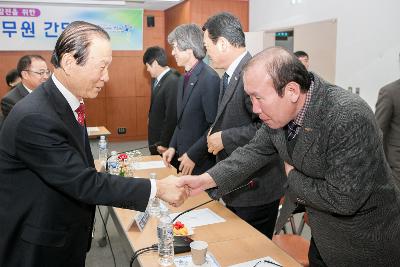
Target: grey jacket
238 123
388 116
340 175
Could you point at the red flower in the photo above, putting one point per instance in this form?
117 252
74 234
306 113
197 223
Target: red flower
122 156
178 225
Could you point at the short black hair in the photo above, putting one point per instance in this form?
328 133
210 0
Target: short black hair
225 25
155 53
11 76
76 39
300 54
25 62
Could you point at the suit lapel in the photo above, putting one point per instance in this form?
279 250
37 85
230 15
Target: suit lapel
66 114
310 131
179 98
187 92
232 86
155 91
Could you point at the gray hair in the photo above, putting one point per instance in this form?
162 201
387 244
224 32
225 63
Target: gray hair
188 36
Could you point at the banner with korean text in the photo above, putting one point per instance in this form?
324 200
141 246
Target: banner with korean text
38 27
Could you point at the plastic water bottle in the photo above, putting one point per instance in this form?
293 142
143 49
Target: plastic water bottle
154 203
103 151
113 164
165 240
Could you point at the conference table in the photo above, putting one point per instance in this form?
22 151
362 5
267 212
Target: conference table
231 242
94 132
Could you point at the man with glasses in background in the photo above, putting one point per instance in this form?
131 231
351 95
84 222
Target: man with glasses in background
33 71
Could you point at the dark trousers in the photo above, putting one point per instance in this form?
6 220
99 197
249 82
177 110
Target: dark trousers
263 217
314 257
153 150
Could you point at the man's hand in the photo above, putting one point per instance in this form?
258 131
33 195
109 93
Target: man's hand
187 165
195 184
288 168
169 191
161 149
168 155
214 143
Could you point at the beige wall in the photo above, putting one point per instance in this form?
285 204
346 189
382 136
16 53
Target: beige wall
318 40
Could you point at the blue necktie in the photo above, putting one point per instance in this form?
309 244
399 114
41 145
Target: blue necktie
225 78
155 85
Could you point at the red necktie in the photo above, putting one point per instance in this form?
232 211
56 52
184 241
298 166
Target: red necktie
81 114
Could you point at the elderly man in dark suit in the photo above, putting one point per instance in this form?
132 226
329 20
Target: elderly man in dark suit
196 104
33 71
334 161
162 113
387 114
48 184
236 124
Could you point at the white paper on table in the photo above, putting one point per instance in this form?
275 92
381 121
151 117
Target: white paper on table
92 129
261 264
186 261
199 217
148 165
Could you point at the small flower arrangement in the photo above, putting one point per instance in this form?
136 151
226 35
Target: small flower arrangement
123 164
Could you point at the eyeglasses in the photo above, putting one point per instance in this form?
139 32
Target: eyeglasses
41 73
259 263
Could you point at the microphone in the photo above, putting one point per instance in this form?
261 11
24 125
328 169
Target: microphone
252 184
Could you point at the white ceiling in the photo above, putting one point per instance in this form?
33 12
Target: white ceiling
145 4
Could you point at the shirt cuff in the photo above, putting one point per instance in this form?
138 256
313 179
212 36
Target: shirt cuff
153 191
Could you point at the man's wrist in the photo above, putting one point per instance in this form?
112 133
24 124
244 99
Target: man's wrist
208 181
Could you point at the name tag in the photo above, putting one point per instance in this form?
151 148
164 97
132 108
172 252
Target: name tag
141 219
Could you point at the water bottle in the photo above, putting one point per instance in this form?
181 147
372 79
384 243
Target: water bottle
154 203
113 164
103 150
165 240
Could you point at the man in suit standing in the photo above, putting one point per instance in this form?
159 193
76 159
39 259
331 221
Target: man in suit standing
162 113
12 78
33 71
196 104
387 113
48 184
236 124
334 161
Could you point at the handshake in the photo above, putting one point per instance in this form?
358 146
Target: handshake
175 190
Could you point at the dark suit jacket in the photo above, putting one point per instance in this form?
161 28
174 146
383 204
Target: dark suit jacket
340 175
162 114
388 116
239 124
49 186
196 110
12 97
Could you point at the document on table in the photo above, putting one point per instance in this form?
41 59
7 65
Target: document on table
262 262
199 217
92 129
148 165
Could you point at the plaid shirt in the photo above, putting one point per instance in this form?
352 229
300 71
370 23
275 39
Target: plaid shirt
300 117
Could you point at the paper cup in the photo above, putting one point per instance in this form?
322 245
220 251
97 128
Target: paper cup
199 252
